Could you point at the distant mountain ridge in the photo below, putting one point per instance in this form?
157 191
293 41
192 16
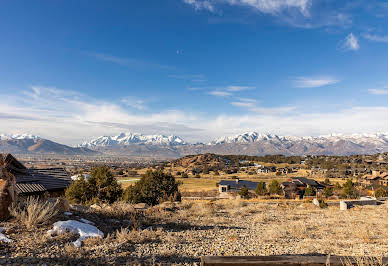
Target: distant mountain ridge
133 138
30 144
250 143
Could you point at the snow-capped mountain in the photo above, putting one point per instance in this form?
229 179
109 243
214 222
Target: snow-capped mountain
18 136
31 144
251 137
248 137
133 138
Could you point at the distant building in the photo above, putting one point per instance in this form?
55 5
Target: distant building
37 181
376 178
296 187
226 186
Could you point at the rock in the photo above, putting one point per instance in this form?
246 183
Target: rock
79 208
316 202
95 207
141 206
7 190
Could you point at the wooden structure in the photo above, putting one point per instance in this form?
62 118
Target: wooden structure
31 181
290 260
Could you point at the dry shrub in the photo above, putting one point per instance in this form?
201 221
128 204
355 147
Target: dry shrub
121 211
297 229
33 211
364 233
203 209
138 237
93 241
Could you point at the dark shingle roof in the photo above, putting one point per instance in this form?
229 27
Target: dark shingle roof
50 179
234 185
36 180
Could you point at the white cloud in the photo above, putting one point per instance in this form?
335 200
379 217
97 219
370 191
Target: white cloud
264 6
274 6
351 43
243 104
375 38
201 4
70 117
238 88
134 103
314 82
220 93
128 62
383 91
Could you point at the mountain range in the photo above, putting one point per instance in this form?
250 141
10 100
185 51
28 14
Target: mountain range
30 144
251 143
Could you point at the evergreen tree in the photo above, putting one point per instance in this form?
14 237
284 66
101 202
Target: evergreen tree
260 189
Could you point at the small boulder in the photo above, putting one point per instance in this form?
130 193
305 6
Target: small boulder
142 206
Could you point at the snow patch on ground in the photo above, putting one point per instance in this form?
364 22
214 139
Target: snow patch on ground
68 213
3 237
82 229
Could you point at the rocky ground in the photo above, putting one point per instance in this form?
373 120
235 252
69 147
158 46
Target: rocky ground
180 233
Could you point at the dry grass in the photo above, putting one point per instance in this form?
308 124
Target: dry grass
33 211
137 237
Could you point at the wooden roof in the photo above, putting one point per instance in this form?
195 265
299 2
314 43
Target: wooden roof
29 181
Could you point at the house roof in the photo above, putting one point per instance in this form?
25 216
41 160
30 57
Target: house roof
305 181
36 180
233 184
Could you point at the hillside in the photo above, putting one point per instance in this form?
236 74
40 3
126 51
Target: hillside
37 145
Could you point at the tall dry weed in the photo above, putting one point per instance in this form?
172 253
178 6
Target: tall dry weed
33 211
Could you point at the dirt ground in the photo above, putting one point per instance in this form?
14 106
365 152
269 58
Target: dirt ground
180 233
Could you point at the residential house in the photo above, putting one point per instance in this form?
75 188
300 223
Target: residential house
226 186
376 178
295 187
32 181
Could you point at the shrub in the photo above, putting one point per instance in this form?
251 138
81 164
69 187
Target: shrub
380 192
309 191
348 189
153 188
101 186
327 181
33 211
244 193
197 176
185 175
328 192
260 189
274 187
322 204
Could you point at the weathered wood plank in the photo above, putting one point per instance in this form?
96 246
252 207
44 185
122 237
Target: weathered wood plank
292 260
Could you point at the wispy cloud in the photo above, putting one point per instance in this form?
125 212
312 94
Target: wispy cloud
70 117
229 90
350 43
128 62
314 82
134 103
220 93
375 38
201 4
251 105
194 78
264 6
383 91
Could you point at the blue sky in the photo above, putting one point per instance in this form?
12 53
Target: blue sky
73 70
